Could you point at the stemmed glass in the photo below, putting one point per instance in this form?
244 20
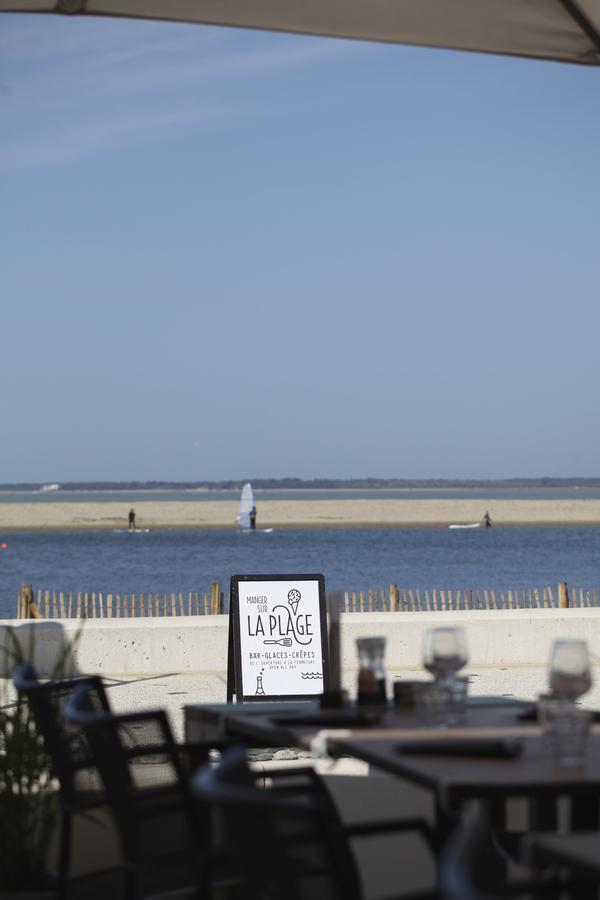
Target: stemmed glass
444 652
570 671
564 726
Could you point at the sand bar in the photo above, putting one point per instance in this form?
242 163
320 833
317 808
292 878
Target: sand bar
297 513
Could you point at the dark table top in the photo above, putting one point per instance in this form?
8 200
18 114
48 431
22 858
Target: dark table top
533 771
211 720
376 736
580 852
296 724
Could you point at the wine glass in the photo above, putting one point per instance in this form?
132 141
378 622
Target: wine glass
570 670
444 652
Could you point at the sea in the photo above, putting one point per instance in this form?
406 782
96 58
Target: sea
351 559
203 495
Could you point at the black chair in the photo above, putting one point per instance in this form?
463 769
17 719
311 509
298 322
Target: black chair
289 841
80 787
164 833
469 869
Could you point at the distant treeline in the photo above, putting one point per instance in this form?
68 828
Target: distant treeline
311 484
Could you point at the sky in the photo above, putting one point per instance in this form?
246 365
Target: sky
234 254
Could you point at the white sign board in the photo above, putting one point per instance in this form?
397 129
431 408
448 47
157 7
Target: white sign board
279 636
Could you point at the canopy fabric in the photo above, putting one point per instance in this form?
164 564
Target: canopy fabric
562 30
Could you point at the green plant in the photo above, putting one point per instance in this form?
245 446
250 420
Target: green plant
28 797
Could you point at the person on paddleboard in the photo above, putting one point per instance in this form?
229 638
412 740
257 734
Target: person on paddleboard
132 519
487 520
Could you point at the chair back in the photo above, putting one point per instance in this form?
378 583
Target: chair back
112 741
288 841
469 861
65 744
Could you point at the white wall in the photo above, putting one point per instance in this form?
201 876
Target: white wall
497 639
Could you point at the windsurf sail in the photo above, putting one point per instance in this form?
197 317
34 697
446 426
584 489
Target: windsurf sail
246 504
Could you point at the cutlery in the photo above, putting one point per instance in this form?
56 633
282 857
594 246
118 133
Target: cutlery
501 748
285 642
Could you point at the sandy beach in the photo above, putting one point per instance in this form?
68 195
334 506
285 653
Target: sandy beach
298 513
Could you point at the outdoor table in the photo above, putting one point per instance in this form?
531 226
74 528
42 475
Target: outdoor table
579 853
455 779
374 735
296 724
210 721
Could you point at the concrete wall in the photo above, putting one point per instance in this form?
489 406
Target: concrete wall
497 639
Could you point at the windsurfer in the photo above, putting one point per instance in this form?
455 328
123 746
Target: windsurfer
253 518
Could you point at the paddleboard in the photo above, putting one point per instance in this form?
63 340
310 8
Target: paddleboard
131 530
256 530
473 525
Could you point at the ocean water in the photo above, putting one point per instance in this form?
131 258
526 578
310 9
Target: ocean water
203 496
353 559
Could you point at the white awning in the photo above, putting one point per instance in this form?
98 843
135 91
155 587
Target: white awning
563 30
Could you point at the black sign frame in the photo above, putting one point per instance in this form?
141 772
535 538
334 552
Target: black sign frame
234 658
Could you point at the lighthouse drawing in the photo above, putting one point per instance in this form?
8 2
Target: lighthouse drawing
260 691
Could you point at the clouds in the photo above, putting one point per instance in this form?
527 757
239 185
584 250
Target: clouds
70 88
108 133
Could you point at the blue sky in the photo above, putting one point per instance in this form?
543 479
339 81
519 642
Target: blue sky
231 254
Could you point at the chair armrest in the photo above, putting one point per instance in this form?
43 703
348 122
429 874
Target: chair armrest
166 741
165 746
307 771
416 895
543 887
146 715
391 826
71 684
187 747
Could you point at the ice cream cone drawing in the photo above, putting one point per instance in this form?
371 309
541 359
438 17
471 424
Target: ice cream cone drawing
294 597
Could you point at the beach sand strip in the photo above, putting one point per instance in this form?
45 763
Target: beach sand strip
296 514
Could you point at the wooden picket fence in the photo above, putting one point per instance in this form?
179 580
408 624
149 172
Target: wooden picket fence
45 604
415 600
96 605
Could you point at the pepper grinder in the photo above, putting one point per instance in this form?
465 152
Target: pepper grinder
371 675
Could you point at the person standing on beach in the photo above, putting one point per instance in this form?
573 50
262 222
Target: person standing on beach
131 519
253 519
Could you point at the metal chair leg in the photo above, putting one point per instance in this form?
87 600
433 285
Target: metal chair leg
64 854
